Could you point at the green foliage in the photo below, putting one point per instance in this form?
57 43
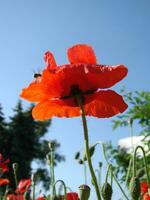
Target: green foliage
139 113
139 110
21 142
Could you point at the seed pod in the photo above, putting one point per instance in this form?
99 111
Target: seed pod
135 188
92 149
77 155
140 173
80 162
84 192
107 191
15 166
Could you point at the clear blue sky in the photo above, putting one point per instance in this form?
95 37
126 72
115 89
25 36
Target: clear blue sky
119 32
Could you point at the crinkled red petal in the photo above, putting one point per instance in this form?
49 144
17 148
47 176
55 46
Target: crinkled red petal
104 104
87 77
60 108
81 53
50 61
4 181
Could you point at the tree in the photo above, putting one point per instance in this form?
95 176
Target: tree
139 113
22 143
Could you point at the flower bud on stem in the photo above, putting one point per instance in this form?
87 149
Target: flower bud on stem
15 169
65 189
84 192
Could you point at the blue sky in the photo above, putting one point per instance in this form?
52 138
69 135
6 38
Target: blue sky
117 30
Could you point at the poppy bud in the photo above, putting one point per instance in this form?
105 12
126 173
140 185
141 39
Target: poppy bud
48 158
15 166
140 173
135 188
80 162
51 144
100 164
77 155
91 150
107 191
84 192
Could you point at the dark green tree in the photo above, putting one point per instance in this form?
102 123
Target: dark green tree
4 139
22 143
137 114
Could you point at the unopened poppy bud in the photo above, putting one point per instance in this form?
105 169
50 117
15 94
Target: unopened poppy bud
51 144
100 164
140 173
77 155
15 166
135 188
107 191
80 162
33 177
84 192
91 150
48 158
130 121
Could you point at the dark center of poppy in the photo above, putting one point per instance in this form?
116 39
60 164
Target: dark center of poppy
76 92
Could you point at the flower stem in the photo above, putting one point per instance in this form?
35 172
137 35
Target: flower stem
145 163
86 143
64 185
85 175
105 157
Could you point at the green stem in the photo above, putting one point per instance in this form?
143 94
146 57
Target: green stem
85 174
105 157
33 186
65 188
128 172
145 163
52 171
86 143
108 169
15 167
99 177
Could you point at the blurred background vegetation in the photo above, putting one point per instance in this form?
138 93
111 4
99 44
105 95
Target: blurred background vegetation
138 114
21 140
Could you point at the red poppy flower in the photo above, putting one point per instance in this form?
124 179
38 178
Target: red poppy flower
23 185
144 187
4 181
72 196
55 91
40 198
146 197
15 197
3 164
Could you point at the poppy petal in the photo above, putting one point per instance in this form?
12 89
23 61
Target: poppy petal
50 61
102 76
34 92
23 185
47 109
4 181
144 187
87 77
81 53
105 104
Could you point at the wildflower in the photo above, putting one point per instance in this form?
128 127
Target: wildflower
4 181
56 91
3 164
146 196
23 186
72 196
144 187
15 197
40 198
